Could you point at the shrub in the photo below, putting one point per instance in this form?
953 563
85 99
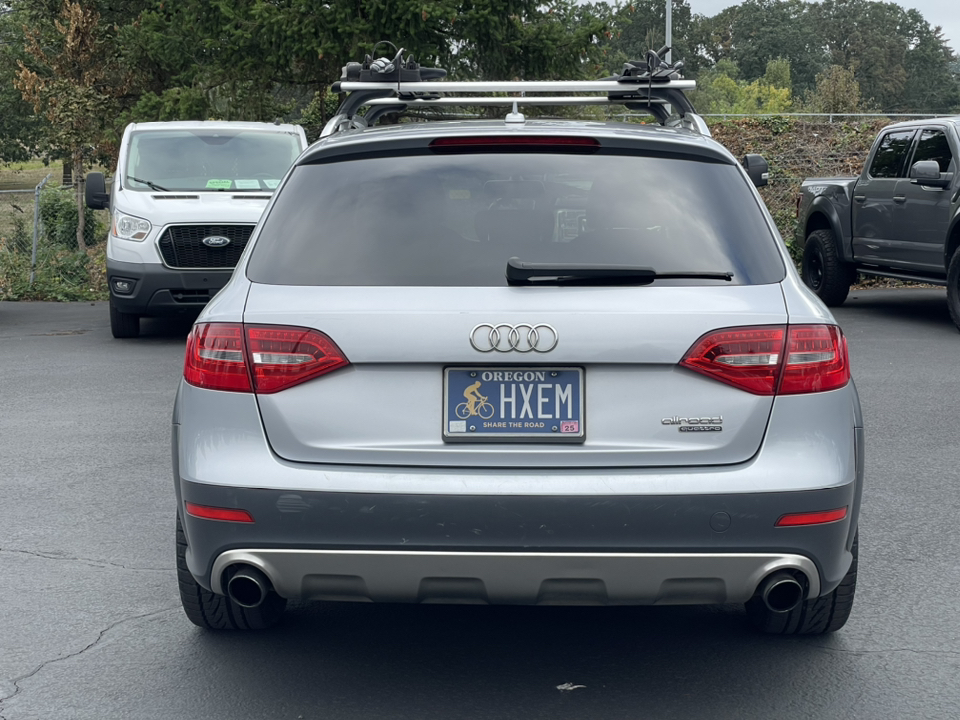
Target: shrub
58 216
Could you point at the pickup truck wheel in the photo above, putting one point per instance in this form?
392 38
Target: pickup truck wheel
822 269
953 287
811 617
123 325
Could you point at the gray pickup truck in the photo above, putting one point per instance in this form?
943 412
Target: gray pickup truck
899 219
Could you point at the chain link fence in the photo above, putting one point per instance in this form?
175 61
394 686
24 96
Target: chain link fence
48 250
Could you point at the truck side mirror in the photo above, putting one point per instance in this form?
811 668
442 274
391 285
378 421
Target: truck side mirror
926 173
757 168
95 192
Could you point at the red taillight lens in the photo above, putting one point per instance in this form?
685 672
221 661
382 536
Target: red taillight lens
747 358
215 358
515 143
217 513
816 360
773 359
226 356
812 518
286 356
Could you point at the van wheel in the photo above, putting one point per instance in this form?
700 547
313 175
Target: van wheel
218 612
123 325
820 615
823 271
953 288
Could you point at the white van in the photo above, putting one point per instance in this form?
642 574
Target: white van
184 200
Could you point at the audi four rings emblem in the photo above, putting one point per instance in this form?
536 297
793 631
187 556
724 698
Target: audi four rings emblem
523 338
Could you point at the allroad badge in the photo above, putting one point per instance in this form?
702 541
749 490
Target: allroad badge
215 241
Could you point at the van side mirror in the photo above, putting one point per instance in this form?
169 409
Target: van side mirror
95 192
757 168
926 173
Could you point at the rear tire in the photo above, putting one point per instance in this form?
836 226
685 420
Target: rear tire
953 288
218 612
820 615
123 325
822 269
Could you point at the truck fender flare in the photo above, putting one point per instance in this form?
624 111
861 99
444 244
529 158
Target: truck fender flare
952 241
823 206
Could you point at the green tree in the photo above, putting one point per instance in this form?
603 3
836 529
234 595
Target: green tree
19 126
757 31
837 91
74 82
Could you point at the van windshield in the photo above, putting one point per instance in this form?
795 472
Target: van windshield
209 159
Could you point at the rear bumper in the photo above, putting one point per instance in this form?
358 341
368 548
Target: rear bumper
517 578
160 291
519 549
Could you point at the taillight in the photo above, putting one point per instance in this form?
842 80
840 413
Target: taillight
747 358
816 360
773 359
282 357
215 358
257 358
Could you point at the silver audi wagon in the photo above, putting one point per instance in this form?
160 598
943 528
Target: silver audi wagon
517 361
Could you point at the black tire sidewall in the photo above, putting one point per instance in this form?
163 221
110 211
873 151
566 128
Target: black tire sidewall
835 275
953 287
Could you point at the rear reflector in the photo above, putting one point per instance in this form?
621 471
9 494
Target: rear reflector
257 358
773 359
218 513
515 143
812 518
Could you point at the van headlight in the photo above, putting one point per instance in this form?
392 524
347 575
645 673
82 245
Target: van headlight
129 227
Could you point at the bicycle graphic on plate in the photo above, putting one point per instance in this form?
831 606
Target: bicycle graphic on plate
482 409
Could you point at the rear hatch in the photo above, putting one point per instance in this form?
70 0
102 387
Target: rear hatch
401 262
387 406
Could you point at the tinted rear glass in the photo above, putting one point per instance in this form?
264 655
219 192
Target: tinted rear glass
455 220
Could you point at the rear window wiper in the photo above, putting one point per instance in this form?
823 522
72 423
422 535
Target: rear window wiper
152 186
529 273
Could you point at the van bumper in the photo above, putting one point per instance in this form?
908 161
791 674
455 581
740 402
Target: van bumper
159 291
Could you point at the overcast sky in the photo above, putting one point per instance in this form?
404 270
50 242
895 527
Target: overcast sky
945 13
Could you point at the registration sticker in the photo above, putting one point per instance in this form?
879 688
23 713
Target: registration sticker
216 184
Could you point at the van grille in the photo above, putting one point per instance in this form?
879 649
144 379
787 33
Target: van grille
181 246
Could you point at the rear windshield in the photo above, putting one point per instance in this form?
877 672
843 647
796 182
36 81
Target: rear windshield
455 220
227 159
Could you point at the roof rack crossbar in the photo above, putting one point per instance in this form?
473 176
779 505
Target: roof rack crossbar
386 85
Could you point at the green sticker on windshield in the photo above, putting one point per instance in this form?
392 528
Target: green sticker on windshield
219 184
272 184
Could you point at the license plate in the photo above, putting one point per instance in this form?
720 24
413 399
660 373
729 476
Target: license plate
513 404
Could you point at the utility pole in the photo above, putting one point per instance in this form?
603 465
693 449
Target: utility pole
669 38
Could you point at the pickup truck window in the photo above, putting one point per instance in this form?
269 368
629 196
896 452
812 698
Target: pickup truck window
888 161
933 145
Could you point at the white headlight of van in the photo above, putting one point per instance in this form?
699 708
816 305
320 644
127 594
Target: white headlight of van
129 227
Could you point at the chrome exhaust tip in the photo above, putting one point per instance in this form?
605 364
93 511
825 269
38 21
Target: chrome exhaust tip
781 592
248 587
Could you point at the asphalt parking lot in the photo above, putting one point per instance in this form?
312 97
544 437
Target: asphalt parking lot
90 623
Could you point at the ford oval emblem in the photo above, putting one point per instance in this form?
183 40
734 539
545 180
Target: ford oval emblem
216 241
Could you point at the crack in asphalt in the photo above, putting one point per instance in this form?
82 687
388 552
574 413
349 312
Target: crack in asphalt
84 561
880 651
26 676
